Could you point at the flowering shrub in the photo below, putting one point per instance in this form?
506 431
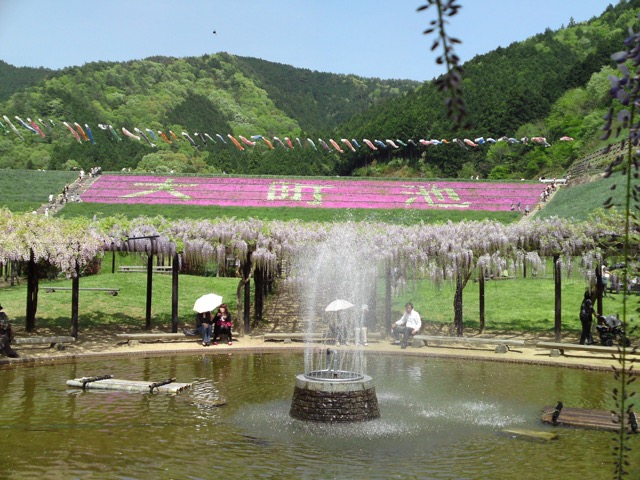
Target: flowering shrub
311 193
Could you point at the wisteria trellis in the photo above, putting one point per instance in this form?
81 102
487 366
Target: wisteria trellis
312 193
440 251
435 251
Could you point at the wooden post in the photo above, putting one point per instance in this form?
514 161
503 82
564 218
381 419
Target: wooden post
481 299
259 290
247 295
175 271
457 306
387 300
373 302
75 301
149 287
557 276
32 293
113 258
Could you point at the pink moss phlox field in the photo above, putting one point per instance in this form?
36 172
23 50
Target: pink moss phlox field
312 193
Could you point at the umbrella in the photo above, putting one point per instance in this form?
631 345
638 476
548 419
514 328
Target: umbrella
207 302
338 305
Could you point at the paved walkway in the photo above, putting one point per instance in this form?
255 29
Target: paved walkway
104 343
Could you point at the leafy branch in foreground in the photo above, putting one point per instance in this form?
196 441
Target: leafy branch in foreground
451 82
626 89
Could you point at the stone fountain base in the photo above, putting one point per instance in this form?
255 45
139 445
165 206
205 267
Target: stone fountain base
334 401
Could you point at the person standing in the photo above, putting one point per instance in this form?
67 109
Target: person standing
222 324
586 317
362 326
340 327
408 325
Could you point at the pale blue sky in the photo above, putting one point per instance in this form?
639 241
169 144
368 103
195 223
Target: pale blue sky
371 38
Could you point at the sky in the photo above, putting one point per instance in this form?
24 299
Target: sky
369 38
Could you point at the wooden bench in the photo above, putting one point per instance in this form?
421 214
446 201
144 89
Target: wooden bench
53 342
159 336
300 337
143 269
112 291
559 348
493 279
308 337
501 344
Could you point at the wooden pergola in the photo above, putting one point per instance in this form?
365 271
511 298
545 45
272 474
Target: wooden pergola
450 251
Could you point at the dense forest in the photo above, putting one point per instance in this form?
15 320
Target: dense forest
552 85
13 79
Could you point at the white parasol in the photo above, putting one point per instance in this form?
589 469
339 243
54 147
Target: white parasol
207 303
338 305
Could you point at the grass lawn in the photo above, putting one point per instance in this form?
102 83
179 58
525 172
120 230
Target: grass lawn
511 305
579 201
128 308
27 190
403 217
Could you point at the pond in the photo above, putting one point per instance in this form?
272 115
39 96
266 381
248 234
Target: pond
440 419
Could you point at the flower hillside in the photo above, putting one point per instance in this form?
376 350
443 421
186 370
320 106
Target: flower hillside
312 192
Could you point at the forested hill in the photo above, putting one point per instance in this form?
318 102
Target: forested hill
552 85
14 79
319 100
217 94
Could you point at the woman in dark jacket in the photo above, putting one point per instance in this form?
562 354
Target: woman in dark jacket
222 324
586 317
204 326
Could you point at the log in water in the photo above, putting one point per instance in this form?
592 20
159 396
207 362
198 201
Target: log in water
585 418
163 386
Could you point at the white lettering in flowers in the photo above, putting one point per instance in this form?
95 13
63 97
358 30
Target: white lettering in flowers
166 186
296 192
434 196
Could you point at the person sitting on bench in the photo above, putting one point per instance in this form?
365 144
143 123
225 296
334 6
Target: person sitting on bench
222 324
204 326
407 326
6 336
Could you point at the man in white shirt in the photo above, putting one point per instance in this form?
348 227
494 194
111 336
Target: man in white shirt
407 326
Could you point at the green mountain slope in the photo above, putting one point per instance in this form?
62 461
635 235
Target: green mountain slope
14 79
215 94
551 85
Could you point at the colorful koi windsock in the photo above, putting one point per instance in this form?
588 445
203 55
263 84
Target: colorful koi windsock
129 134
235 142
73 132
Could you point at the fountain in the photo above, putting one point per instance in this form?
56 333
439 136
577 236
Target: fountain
334 386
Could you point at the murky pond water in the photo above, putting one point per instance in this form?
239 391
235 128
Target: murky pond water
440 419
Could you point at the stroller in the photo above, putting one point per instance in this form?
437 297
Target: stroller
610 330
